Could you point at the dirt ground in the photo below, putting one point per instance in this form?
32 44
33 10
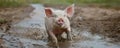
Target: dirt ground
103 21
10 16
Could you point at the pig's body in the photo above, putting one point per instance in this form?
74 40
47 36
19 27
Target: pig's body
57 22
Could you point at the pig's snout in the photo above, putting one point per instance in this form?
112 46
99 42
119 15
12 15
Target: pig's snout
60 21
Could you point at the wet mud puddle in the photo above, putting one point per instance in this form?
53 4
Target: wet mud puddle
36 19
31 32
86 39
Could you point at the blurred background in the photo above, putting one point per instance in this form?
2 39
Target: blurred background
107 3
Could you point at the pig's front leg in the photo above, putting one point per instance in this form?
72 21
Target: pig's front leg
69 34
54 39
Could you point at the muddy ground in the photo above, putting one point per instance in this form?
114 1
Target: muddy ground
96 20
10 16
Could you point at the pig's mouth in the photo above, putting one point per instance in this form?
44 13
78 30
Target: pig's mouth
60 23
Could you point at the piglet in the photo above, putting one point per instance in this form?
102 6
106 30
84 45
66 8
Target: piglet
57 22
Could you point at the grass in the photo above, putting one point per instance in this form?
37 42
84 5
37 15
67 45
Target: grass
14 3
2 20
79 2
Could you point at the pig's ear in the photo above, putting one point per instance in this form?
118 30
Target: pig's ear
48 12
70 10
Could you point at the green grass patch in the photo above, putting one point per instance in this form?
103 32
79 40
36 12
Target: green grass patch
8 3
12 3
2 20
106 3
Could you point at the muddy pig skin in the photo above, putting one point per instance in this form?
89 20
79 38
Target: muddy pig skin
57 22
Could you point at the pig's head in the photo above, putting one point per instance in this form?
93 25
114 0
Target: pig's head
60 16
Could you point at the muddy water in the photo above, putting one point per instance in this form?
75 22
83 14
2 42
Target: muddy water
36 19
31 32
89 40
85 39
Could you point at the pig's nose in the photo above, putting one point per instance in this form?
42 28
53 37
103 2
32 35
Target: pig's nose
60 21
